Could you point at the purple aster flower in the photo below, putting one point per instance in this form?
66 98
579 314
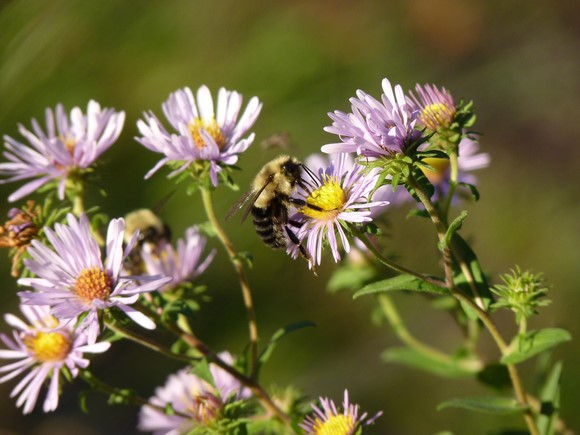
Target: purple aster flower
45 347
374 128
70 145
340 196
72 279
195 402
202 134
435 106
469 159
326 419
184 265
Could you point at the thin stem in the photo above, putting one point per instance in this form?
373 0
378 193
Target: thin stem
392 315
481 313
391 264
130 398
244 284
247 381
146 342
453 179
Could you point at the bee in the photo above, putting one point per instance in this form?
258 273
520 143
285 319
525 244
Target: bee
270 200
154 234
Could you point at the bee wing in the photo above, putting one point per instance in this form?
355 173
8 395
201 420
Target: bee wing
254 194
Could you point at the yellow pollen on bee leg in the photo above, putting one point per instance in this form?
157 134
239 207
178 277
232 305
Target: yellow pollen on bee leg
212 128
49 346
336 425
92 284
441 169
328 200
437 115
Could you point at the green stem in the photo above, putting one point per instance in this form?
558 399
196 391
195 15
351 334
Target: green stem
391 264
453 180
247 381
131 398
392 315
481 313
146 342
244 284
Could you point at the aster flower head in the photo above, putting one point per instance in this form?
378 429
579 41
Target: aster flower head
45 347
195 401
374 129
200 133
436 107
72 279
327 420
339 197
69 146
183 265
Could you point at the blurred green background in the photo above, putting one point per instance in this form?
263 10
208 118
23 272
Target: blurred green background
519 62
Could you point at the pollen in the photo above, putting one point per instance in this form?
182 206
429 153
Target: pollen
336 425
327 201
441 169
437 115
49 346
212 128
93 284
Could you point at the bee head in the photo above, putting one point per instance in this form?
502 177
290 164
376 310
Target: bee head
292 168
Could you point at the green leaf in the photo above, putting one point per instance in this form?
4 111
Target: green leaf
461 248
202 371
349 277
401 282
410 357
472 189
550 398
490 405
533 342
278 335
495 376
451 230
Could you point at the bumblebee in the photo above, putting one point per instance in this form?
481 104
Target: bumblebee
154 234
270 200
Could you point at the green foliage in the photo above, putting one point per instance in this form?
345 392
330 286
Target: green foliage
495 376
445 367
490 405
451 230
550 398
401 282
531 343
350 276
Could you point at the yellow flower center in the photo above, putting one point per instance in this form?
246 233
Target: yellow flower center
212 128
436 116
441 169
327 201
93 284
49 346
336 425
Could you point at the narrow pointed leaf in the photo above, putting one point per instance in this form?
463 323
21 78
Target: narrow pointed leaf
453 228
410 357
490 405
278 335
401 282
534 342
550 398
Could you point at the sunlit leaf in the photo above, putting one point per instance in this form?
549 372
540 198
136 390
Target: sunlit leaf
550 398
534 342
401 282
490 405
450 368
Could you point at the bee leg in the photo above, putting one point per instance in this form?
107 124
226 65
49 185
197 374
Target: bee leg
295 223
303 252
302 203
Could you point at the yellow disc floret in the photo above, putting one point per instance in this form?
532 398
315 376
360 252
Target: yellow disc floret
335 425
327 201
92 284
440 166
49 346
437 115
212 128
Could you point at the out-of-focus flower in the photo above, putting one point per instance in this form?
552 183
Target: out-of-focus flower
339 196
18 231
374 128
327 420
469 160
435 106
201 134
184 265
72 279
69 146
195 402
45 347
